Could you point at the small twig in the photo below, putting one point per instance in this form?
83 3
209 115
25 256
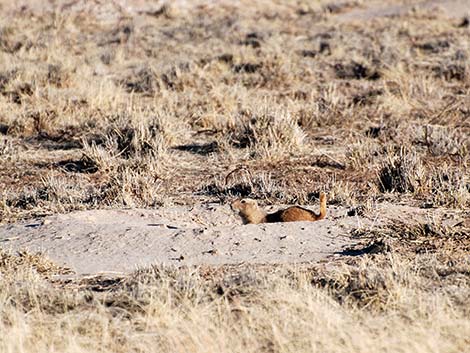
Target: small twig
198 220
334 160
9 239
450 106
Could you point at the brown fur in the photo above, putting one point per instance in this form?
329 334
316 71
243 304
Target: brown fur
253 214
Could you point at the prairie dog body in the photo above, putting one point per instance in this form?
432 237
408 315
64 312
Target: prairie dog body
253 214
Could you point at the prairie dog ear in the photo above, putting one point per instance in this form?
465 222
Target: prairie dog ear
244 203
237 204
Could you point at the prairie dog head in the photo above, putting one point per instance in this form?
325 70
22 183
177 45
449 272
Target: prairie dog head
244 206
249 211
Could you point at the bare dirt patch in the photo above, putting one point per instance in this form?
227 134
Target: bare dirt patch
120 241
376 9
90 242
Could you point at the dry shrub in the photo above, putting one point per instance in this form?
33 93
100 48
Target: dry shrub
442 140
401 172
27 261
365 153
241 183
268 133
61 193
55 194
99 156
440 185
356 70
143 80
135 137
448 187
386 303
134 185
7 149
132 137
120 182
329 107
341 192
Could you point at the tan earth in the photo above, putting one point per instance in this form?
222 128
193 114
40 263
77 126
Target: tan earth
120 241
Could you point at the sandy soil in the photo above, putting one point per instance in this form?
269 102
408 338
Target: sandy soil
374 9
347 11
119 241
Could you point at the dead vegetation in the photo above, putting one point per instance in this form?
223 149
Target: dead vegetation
113 108
382 296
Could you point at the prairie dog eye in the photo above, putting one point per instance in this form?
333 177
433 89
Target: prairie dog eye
242 201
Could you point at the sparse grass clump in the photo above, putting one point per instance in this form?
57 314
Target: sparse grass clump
241 183
449 187
356 307
269 134
441 185
401 172
442 141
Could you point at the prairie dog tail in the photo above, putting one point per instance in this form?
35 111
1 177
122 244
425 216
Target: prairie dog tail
322 206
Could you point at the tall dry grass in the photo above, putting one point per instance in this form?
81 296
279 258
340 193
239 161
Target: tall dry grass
103 100
386 303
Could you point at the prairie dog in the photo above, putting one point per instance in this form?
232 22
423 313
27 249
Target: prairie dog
251 213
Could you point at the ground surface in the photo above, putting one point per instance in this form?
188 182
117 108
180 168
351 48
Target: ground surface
120 241
91 242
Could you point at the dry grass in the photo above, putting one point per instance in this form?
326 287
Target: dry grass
115 102
97 105
388 301
100 108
